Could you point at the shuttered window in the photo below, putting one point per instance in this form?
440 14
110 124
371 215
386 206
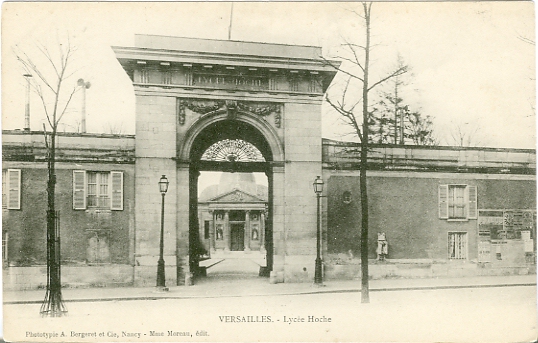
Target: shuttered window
4 188
443 201
79 189
11 189
457 202
97 189
117 191
473 203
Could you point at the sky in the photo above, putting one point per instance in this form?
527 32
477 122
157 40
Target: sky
470 64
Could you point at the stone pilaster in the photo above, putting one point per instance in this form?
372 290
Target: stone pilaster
262 231
247 231
227 233
212 231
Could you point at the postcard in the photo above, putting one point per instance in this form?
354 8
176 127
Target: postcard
269 171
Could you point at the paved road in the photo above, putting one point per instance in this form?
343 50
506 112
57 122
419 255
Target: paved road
500 314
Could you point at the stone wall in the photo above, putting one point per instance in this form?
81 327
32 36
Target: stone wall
404 205
27 226
30 278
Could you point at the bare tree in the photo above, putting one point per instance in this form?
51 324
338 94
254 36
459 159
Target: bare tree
51 70
357 68
113 128
464 135
526 40
419 129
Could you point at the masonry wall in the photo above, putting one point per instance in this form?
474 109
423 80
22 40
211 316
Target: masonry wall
25 230
27 226
405 207
155 150
303 164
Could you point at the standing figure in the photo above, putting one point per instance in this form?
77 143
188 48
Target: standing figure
382 247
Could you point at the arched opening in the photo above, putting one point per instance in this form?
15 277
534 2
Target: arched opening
230 201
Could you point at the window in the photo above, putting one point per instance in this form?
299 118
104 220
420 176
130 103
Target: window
457 245
98 195
97 190
457 202
11 189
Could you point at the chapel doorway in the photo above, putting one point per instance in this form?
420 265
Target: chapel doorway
238 237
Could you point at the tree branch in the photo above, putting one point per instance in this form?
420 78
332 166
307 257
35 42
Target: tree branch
398 72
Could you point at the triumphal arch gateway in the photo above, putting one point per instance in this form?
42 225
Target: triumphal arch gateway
261 102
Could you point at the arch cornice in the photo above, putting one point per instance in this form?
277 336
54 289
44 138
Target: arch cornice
266 130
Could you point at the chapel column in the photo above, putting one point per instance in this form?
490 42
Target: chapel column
247 231
227 240
212 230
262 231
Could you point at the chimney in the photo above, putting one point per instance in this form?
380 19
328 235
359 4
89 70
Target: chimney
27 104
84 85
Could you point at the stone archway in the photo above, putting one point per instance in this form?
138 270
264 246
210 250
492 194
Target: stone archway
218 128
190 88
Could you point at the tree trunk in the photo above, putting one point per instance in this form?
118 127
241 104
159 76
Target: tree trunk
365 291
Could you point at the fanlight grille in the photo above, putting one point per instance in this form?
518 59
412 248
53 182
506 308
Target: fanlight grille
235 150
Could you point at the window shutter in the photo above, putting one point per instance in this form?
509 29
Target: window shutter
14 189
443 201
117 191
4 188
472 196
79 189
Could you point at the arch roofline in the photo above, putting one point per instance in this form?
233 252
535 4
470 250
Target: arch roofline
225 52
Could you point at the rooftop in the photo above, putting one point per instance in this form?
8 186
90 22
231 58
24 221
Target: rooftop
230 47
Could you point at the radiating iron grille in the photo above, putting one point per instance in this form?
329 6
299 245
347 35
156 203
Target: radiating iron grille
235 150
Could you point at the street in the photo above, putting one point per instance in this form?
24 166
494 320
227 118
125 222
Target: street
494 314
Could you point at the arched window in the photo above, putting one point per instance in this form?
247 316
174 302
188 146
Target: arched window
236 150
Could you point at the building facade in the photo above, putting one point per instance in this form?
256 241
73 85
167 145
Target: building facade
95 200
241 108
232 215
443 210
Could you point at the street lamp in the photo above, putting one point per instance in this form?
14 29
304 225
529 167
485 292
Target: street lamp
318 189
163 188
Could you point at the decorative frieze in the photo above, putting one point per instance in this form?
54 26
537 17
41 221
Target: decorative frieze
166 77
144 76
166 74
231 107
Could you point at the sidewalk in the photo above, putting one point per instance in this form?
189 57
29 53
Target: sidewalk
210 288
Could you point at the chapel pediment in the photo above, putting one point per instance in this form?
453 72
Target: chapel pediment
236 195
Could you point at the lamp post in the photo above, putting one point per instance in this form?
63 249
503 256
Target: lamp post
163 188
318 189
